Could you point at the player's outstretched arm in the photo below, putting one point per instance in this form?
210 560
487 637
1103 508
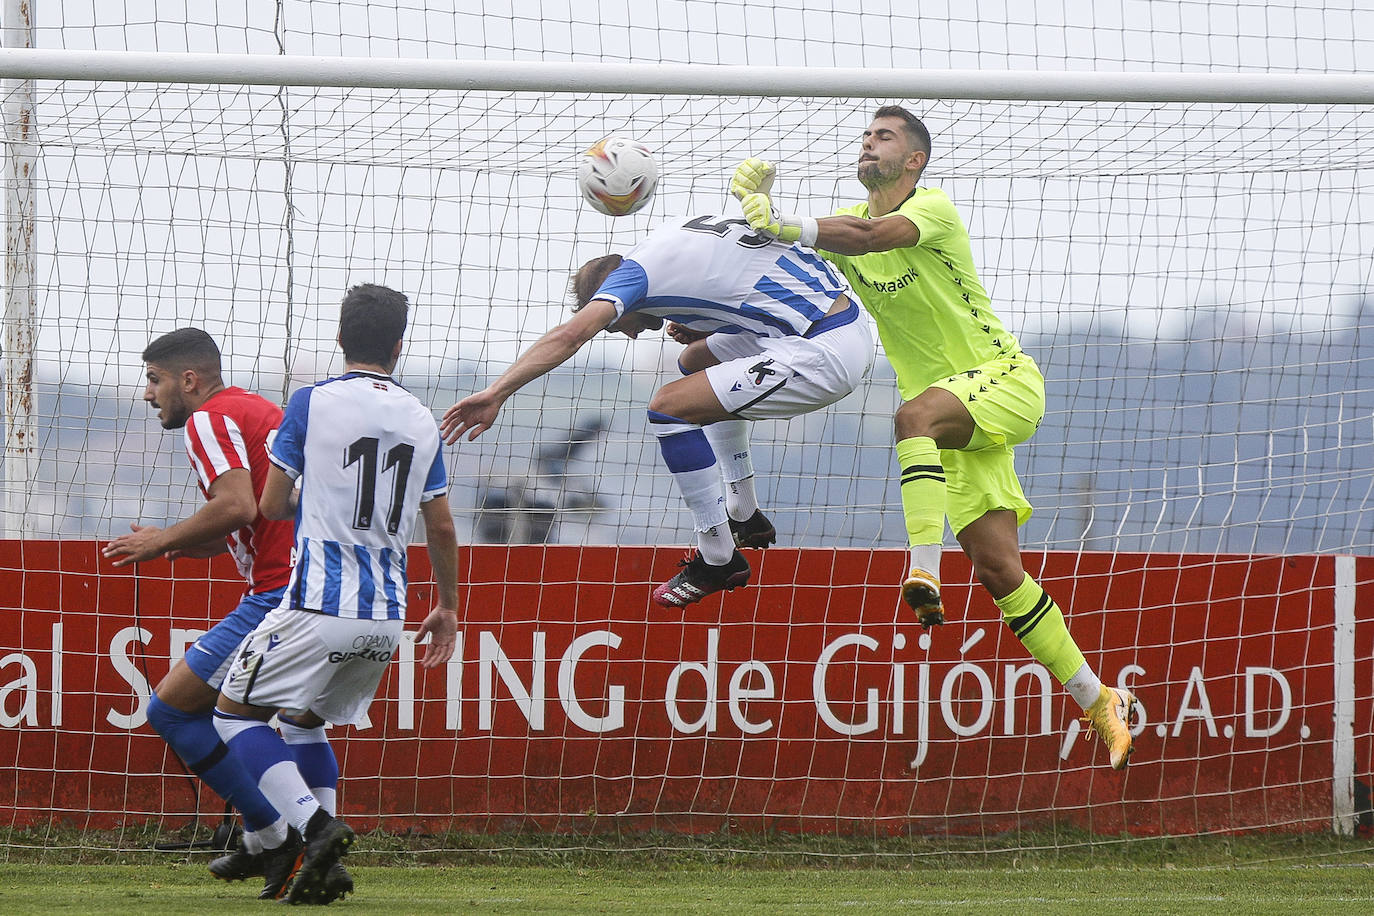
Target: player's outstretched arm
752 184
441 624
842 234
475 413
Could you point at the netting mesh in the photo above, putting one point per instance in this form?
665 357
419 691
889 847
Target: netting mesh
1192 278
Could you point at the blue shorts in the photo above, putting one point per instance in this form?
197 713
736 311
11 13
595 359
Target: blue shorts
209 657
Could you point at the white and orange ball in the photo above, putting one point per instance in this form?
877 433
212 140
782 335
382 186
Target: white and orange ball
617 175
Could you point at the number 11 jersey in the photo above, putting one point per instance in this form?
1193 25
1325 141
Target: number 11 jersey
366 453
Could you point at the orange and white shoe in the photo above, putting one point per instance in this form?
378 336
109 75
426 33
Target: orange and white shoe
1110 717
921 591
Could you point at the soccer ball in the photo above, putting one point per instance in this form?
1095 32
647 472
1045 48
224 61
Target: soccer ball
617 176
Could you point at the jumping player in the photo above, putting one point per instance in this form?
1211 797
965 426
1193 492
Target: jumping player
771 332
970 393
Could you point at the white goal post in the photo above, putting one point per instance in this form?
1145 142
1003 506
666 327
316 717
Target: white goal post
684 79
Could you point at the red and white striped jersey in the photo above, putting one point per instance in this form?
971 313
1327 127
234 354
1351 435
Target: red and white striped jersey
232 429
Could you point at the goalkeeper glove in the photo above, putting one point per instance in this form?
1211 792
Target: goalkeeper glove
758 210
752 176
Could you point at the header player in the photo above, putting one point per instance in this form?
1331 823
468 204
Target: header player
771 332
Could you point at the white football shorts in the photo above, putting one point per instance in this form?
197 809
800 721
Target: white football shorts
762 378
300 660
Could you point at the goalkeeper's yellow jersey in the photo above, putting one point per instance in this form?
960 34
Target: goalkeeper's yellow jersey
933 315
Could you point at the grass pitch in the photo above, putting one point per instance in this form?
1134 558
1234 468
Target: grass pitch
60 871
184 887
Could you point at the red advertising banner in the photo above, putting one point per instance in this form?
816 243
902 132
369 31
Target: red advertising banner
808 701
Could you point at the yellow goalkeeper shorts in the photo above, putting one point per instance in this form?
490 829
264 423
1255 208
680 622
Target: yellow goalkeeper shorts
1006 398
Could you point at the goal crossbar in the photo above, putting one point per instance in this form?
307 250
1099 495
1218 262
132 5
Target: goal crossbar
684 79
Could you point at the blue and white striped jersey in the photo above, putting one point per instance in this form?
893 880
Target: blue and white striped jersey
367 453
714 274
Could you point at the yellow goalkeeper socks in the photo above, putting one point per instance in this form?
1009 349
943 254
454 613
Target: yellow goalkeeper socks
1036 620
923 490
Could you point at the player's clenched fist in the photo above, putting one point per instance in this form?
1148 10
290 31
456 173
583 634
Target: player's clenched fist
758 210
752 176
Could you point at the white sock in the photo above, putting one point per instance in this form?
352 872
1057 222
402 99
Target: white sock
740 500
1084 686
926 557
730 442
689 456
700 490
716 544
271 836
327 798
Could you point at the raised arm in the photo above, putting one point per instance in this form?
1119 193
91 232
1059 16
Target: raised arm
853 235
475 413
847 235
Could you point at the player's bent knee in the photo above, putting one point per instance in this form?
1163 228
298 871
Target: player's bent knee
164 718
911 419
999 576
674 404
937 414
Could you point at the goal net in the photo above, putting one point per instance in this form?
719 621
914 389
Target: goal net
1194 278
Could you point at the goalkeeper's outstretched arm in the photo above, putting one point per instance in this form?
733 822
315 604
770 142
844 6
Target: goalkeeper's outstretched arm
843 234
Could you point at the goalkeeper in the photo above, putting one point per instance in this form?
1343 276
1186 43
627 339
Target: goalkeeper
969 392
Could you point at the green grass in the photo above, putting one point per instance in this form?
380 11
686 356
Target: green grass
693 888
65 871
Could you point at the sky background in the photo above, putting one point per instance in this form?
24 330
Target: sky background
1194 279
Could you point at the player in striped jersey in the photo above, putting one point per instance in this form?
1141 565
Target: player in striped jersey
772 331
226 432
970 393
355 458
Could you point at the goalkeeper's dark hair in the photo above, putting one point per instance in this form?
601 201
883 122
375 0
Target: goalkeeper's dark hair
915 131
589 278
185 348
372 319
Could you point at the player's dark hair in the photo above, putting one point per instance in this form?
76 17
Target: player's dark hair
185 348
590 276
372 319
915 131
